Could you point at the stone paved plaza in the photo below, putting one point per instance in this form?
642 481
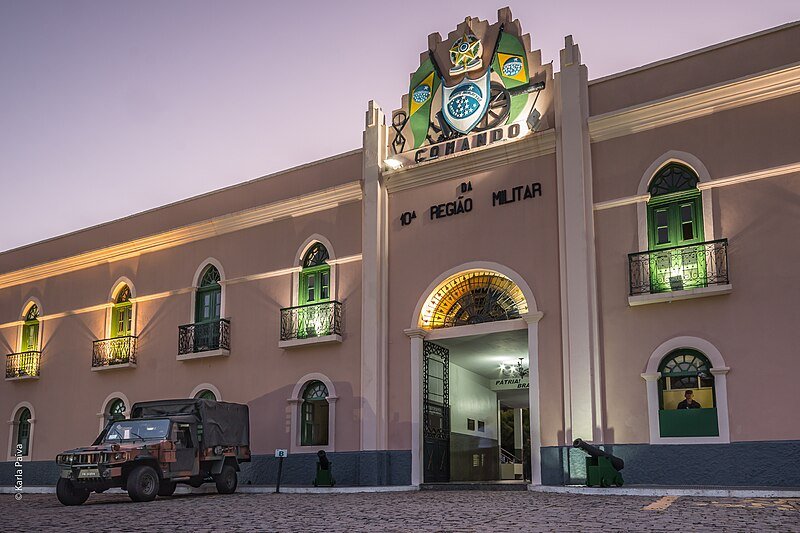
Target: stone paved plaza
401 511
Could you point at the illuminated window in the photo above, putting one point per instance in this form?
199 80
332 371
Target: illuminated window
687 400
122 313
314 415
473 297
30 330
315 278
675 222
23 432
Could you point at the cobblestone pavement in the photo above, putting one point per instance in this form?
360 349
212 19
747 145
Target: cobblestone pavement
401 511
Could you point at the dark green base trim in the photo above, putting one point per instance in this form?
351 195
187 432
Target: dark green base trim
373 468
749 464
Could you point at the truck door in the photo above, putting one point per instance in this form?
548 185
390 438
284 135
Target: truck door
185 449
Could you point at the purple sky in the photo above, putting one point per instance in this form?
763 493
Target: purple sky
108 108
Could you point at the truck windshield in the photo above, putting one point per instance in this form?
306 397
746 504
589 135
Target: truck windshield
137 430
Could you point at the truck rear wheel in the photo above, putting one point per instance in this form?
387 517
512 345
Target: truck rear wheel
226 480
143 484
69 494
166 488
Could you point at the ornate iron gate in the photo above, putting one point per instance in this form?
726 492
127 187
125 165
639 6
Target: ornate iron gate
436 412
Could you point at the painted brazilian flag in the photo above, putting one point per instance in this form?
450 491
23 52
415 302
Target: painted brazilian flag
424 84
511 63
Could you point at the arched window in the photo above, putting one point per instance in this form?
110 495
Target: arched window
116 410
206 394
122 313
687 399
209 296
473 297
30 330
674 223
315 278
314 417
23 432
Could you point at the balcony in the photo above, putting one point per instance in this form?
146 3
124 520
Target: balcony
311 324
204 339
119 352
679 273
23 365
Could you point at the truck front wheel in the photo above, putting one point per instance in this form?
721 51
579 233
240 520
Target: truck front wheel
143 484
69 494
226 480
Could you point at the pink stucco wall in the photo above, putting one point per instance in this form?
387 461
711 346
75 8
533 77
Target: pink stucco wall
522 236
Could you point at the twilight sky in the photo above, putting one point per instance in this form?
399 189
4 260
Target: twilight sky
108 108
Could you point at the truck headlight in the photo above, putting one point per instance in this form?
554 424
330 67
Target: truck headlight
118 456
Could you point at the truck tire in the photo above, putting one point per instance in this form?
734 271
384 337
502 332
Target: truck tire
143 484
69 494
166 488
226 480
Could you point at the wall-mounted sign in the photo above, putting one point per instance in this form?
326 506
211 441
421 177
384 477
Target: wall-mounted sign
510 383
463 144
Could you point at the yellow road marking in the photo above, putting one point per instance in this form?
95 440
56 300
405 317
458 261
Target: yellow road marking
660 504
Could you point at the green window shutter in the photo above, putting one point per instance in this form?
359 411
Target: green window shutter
30 336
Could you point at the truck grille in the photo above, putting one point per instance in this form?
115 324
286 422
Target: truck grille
85 458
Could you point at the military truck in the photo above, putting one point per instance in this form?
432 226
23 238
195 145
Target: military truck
162 444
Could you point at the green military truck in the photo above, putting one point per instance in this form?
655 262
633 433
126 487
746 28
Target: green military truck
164 443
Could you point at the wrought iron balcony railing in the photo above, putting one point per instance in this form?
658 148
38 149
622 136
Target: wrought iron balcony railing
679 268
116 351
23 364
312 320
204 336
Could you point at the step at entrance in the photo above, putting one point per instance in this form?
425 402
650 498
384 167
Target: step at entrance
476 485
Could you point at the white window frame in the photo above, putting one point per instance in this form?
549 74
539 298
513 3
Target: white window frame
13 426
718 369
106 405
112 299
295 402
298 267
206 386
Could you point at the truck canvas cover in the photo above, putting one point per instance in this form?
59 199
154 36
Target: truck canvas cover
224 423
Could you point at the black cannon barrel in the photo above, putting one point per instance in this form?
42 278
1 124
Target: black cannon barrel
594 451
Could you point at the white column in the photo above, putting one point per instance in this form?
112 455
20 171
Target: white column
533 396
417 337
373 286
582 414
518 433
652 404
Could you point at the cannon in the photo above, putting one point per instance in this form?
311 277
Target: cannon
324 477
602 468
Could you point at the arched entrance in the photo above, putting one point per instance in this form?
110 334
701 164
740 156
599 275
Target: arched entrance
474 373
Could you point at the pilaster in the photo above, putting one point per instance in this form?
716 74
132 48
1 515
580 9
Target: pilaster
581 357
374 285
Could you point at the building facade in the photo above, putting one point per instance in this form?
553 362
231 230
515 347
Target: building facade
517 257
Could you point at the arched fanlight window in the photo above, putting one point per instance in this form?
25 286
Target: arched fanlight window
209 296
30 330
473 297
314 423
673 178
675 222
315 279
23 432
687 399
206 394
122 313
116 410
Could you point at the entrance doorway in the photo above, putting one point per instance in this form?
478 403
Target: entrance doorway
475 408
